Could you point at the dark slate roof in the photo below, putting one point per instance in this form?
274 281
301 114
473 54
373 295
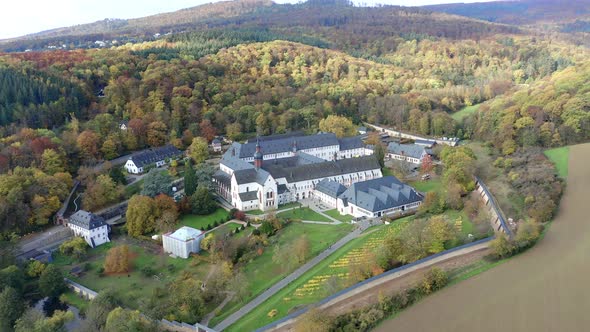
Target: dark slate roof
425 142
282 188
349 143
330 188
235 163
222 177
277 137
86 220
412 150
251 175
286 144
380 194
153 155
249 196
321 170
216 141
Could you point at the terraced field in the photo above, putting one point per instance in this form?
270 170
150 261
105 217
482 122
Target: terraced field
543 289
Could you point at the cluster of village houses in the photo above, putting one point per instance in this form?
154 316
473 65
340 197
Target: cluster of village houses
269 171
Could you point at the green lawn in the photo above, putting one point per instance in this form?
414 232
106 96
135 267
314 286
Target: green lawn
255 212
465 112
466 224
387 171
262 272
75 300
199 222
288 205
289 297
336 215
428 185
303 214
133 188
133 288
560 158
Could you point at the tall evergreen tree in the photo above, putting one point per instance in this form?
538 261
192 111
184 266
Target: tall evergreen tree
190 179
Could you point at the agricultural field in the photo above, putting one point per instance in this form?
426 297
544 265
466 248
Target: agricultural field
534 289
324 279
303 213
263 271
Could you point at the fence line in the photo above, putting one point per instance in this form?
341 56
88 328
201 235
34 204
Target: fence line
370 280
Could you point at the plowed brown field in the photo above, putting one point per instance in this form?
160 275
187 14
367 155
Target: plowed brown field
544 289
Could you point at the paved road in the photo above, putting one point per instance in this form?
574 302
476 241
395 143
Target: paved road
293 276
543 289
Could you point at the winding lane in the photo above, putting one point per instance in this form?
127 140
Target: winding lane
543 289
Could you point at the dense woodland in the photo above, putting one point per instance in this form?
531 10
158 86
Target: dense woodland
272 70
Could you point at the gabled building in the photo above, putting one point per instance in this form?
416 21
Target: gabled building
216 145
156 157
250 180
378 197
89 226
412 153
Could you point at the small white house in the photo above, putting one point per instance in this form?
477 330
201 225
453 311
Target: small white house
183 242
123 125
216 145
156 156
89 226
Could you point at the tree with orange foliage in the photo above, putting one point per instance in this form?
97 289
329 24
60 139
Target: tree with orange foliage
88 145
117 260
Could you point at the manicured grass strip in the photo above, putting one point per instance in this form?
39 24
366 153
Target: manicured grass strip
465 112
428 185
560 158
289 205
199 222
336 215
303 214
133 188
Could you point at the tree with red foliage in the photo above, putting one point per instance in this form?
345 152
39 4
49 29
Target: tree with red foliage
207 130
427 164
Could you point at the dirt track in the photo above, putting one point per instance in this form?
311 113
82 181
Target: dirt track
544 289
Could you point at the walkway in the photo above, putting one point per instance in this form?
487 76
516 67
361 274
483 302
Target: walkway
542 289
293 276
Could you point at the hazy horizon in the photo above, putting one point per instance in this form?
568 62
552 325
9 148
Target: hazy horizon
25 17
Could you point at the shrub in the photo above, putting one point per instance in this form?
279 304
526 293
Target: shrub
256 232
147 271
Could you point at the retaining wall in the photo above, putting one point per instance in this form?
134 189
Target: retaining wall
497 220
82 291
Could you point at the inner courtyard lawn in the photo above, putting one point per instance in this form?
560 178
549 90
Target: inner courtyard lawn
304 213
336 215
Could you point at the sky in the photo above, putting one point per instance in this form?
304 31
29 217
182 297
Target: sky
21 17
